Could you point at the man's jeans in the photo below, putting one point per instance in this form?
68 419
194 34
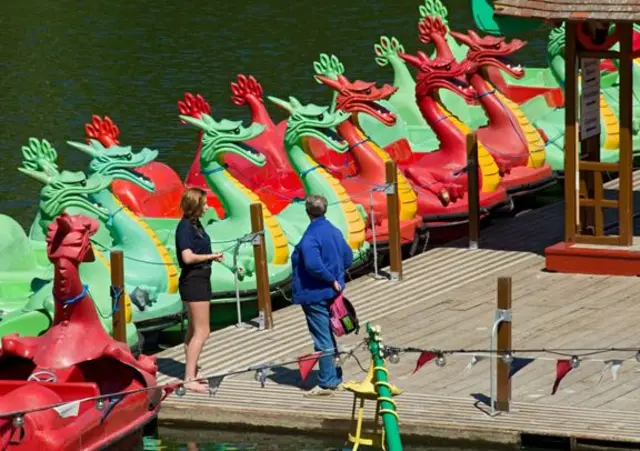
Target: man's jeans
319 325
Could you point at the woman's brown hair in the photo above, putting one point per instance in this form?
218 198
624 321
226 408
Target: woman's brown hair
192 203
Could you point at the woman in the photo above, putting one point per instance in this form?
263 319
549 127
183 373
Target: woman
193 249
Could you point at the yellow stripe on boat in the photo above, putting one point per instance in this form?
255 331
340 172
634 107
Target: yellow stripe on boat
355 223
611 125
490 173
535 143
169 265
128 315
406 194
280 242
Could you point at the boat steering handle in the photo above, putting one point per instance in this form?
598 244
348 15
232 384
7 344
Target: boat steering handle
43 376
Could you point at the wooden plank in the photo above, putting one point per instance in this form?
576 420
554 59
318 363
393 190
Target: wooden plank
598 202
597 166
598 218
607 240
625 70
571 133
447 301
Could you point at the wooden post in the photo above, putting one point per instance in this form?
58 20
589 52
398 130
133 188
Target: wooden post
473 190
625 191
571 134
265 317
503 397
393 214
118 320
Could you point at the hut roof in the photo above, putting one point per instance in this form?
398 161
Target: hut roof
579 10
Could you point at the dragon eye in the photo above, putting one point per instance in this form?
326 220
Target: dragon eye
237 131
83 182
128 156
367 91
447 67
320 116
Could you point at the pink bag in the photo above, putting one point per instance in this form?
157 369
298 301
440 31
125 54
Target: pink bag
343 317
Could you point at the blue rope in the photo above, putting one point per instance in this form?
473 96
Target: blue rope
346 155
112 215
484 94
85 289
214 170
115 295
306 171
358 143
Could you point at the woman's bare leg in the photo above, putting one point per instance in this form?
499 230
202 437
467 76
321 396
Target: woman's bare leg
189 334
199 318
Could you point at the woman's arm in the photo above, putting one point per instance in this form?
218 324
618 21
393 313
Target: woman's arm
191 259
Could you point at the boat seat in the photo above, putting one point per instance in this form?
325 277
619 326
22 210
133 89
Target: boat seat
69 391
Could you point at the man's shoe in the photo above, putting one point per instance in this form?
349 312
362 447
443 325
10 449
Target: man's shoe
319 391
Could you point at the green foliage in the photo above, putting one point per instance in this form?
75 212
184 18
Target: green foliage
386 49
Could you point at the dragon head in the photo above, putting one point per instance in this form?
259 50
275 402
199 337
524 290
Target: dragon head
441 72
62 189
312 121
357 97
68 238
224 137
491 51
117 162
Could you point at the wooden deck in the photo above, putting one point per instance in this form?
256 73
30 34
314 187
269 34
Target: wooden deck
447 301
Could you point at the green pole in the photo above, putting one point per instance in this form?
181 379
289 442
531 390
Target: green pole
387 405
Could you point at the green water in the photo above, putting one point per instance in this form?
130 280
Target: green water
173 440
133 60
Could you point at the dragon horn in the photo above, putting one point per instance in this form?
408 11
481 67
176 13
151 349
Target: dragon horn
281 103
413 60
194 121
39 176
330 82
294 102
86 148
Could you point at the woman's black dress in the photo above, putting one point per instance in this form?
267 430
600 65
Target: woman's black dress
195 280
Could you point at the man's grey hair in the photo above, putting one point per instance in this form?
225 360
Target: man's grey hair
316 206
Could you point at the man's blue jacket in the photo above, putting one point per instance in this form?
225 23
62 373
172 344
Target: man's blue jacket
320 258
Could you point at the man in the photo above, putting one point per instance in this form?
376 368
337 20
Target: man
319 262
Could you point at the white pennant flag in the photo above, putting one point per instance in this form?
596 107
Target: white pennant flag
613 366
474 361
70 409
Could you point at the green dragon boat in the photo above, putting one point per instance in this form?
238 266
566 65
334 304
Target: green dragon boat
26 275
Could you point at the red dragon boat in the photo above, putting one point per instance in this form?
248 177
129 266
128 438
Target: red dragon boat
440 204
513 142
277 184
164 201
73 388
447 165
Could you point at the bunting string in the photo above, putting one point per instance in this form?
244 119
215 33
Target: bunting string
71 408
517 360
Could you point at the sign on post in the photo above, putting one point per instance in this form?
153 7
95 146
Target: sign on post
590 99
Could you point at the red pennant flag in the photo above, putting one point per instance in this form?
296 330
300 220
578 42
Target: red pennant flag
424 358
306 364
562 369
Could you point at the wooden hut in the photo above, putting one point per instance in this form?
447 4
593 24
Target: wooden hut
587 248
